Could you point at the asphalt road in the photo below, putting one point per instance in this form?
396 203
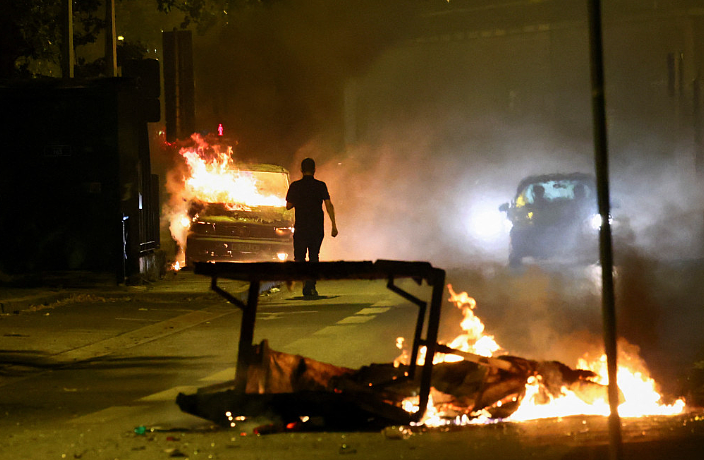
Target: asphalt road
78 377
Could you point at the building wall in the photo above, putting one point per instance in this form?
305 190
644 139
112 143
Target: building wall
70 170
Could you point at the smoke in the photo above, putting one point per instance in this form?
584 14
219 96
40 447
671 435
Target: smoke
658 200
443 132
412 195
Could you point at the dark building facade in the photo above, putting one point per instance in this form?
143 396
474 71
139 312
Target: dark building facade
76 187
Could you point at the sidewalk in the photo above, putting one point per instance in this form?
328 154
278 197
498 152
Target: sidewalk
53 288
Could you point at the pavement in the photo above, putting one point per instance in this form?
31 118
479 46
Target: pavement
54 288
168 433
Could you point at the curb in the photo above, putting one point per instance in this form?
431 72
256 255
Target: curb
14 305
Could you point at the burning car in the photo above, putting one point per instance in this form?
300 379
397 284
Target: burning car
554 216
250 223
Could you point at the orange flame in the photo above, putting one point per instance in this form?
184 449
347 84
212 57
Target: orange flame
639 389
211 175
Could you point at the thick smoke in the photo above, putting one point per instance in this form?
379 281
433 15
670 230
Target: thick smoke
413 197
443 132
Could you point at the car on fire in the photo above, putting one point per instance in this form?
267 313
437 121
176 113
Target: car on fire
554 216
243 232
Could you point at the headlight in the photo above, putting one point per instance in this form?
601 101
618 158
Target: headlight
284 231
487 223
595 221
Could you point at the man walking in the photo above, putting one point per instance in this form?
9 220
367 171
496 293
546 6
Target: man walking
307 196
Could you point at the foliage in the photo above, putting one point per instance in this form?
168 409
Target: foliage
204 14
38 34
30 33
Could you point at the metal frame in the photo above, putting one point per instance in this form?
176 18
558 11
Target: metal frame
390 270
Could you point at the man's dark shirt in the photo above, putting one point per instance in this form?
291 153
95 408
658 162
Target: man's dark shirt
307 196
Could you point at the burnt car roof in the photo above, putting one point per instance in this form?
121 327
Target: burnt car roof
584 177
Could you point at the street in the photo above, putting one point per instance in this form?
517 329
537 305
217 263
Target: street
80 378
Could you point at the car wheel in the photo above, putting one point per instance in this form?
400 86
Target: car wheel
515 250
514 260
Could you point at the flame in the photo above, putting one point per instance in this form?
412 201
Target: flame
209 174
218 180
639 390
640 394
473 340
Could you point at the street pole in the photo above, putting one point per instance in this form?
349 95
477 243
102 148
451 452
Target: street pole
67 54
605 247
110 40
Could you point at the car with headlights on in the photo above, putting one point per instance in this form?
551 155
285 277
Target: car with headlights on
554 216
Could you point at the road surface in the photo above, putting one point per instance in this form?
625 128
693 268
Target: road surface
78 378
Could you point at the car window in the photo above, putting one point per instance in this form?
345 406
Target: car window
270 183
562 190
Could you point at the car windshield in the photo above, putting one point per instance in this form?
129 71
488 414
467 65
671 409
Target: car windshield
270 183
558 190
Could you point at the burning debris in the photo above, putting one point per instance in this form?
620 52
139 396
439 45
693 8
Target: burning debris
291 388
456 386
224 210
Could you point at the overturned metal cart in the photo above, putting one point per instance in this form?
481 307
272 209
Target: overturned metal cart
294 389
346 400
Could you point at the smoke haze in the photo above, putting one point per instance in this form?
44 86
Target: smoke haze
422 125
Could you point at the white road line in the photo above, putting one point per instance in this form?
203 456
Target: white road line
142 335
109 414
342 327
144 320
170 394
332 330
356 319
385 303
373 311
266 316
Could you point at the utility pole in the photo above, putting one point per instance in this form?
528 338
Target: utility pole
601 157
110 39
67 55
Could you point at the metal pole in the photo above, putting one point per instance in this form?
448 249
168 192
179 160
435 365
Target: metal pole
245 349
110 40
605 247
67 54
431 342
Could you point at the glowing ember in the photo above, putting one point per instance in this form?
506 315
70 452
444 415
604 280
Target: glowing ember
639 393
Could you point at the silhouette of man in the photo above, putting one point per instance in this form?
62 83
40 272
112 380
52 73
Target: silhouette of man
539 196
307 196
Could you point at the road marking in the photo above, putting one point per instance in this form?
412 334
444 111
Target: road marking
127 340
193 318
373 311
331 330
152 332
385 303
145 320
170 394
356 319
142 335
266 316
109 414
